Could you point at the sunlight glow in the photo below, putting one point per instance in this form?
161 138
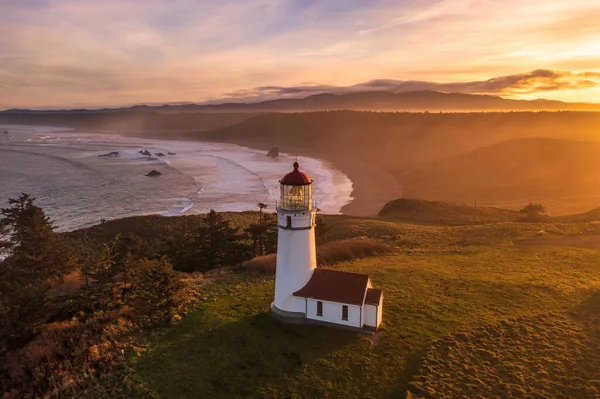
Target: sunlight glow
69 52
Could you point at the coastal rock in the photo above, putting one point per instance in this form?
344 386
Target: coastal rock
171 153
154 173
145 152
159 154
111 154
6 132
273 152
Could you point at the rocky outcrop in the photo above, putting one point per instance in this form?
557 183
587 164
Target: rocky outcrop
145 152
273 152
171 153
6 132
111 154
154 173
159 154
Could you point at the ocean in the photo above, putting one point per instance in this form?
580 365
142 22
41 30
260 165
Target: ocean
77 186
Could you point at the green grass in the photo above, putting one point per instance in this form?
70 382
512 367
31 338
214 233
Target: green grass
440 212
545 355
439 281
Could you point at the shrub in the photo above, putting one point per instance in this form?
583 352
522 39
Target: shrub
65 359
534 212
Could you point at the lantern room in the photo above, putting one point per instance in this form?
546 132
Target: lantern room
296 191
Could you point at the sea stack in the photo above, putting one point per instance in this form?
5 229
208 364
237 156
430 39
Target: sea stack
273 152
154 173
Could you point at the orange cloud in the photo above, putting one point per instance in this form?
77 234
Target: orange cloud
538 81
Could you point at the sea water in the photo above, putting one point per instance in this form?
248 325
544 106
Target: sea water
78 187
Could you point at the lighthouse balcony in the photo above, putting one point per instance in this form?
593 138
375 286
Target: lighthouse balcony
296 220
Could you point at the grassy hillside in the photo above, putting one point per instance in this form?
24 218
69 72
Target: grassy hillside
439 212
451 293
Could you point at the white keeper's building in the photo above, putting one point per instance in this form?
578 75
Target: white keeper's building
303 293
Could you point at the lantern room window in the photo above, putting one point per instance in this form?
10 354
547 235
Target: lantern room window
296 197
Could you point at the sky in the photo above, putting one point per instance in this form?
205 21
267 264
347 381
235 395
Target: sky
72 53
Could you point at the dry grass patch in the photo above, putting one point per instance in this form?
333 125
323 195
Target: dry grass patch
70 359
345 250
259 265
327 254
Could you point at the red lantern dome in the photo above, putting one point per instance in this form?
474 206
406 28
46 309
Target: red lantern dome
296 178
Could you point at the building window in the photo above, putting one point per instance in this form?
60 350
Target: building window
345 312
289 222
319 308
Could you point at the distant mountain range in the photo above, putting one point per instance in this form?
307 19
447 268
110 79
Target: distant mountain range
370 101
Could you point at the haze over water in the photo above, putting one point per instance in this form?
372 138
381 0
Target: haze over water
77 187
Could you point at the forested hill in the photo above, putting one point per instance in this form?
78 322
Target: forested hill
126 120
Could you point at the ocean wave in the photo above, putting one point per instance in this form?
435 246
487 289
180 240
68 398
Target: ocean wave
181 209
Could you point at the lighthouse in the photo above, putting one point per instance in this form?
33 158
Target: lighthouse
303 293
296 252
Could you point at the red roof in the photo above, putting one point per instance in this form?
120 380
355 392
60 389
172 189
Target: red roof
335 286
373 296
295 178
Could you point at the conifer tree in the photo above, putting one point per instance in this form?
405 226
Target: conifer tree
263 235
156 290
35 258
218 244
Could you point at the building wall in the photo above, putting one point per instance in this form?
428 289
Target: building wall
296 260
332 313
370 315
380 310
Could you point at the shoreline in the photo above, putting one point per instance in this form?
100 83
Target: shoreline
372 187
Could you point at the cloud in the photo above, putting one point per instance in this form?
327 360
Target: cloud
537 81
100 52
540 80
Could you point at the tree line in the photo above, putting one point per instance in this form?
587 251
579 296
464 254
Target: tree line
127 270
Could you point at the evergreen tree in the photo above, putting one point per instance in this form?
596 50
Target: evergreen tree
261 206
156 290
110 265
218 244
263 235
35 258
181 250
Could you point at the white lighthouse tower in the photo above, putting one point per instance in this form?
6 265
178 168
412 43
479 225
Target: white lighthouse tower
296 252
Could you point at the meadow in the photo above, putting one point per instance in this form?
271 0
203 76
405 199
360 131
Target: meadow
467 313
